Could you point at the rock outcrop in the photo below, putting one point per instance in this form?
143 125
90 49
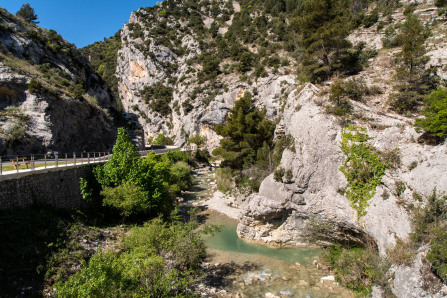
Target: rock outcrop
314 201
67 107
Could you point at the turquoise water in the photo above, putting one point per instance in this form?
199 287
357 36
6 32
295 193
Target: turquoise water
227 240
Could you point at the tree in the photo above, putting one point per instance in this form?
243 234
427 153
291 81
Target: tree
132 184
435 112
27 12
412 79
324 25
245 131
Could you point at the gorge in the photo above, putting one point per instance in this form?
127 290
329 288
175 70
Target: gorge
343 85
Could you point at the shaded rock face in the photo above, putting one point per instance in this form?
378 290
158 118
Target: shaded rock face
313 202
52 119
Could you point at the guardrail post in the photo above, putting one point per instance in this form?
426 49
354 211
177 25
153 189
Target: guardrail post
66 159
74 158
45 160
56 157
88 157
17 163
32 162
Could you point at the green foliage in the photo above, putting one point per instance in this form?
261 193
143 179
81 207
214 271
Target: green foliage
140 269
357 269
412 79
278 174
437 255
362 168
132 184
323 27
435 112
428 219
27 12
245 131
340 103
36 87
103 57
158 97
181 175
126 197
197 139
224 179
163 139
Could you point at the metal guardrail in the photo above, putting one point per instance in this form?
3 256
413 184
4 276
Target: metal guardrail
29 162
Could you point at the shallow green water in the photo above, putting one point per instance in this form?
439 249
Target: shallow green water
227 240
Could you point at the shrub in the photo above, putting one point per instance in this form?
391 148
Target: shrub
224 179
357 269
435 109
163 139
127 198
362 168
36 87
278 174
146 180
437 254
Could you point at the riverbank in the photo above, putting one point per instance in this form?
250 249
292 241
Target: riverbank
237 268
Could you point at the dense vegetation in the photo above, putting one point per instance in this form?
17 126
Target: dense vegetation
135 185
362 168
103 57
158 259
247 147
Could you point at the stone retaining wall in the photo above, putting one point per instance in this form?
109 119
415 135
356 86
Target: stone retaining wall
58 187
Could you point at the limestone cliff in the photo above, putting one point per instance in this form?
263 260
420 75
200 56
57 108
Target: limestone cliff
50 98
175 86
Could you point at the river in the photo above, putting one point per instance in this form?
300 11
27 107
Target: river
256 270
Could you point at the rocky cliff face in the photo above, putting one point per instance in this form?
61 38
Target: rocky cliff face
195 107
311 205
66 108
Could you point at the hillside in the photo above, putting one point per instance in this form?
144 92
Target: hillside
50 97
331 75
328 118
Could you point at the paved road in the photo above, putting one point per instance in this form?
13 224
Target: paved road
70 161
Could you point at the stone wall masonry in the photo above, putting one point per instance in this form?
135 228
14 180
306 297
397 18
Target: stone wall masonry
58 187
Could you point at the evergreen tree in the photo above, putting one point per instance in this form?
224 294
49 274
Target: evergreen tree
27 12
324 25
245 132
412 79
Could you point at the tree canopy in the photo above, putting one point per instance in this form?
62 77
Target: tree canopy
245 131
27 12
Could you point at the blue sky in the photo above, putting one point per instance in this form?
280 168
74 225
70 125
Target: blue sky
81 22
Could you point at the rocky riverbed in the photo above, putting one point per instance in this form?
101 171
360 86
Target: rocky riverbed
236 268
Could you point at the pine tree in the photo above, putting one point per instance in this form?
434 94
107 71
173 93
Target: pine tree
324 26
27 12
244 133
412 79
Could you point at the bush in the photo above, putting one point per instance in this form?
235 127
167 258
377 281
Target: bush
141 270
437 255
146 180
162 139
127 198
278 174
362 168
357 269
224 179
36 87
435 109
